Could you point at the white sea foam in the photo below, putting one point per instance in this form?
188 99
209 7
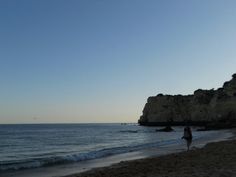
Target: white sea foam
38 146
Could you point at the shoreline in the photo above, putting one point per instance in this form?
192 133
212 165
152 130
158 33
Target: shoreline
66 170
216 159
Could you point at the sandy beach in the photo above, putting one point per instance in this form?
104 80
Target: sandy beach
214 160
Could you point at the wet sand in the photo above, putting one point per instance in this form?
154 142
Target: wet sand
214 160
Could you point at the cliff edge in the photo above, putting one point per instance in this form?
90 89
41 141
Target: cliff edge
210 108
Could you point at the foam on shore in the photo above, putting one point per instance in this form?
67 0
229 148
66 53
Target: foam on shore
166 148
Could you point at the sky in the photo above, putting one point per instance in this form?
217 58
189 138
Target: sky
96 61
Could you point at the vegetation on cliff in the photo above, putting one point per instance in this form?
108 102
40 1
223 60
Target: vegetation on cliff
211 108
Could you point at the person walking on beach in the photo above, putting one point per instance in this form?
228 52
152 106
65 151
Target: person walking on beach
188 136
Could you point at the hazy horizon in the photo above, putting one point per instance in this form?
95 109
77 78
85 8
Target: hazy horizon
98 61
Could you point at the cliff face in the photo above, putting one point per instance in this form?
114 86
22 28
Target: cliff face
204 107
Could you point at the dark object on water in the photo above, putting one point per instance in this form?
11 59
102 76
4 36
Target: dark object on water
166 129
129 131
219 125
202 129
188 136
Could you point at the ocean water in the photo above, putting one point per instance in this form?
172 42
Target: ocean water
43 145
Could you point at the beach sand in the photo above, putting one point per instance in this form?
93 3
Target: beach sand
214 160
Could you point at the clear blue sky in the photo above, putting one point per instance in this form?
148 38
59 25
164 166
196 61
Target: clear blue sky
99 60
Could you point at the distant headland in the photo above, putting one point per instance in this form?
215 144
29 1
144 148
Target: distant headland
214 109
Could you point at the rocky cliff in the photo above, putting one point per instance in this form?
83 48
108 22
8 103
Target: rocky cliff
212 108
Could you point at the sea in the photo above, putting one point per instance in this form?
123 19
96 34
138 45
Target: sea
42 149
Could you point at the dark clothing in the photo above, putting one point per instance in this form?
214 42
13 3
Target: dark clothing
188 136
187 133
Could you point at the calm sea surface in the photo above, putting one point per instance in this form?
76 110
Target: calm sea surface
39 145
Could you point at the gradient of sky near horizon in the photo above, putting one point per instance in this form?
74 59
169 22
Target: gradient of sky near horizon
80 61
